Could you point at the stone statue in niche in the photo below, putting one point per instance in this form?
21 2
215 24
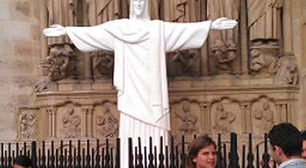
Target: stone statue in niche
264 19
103 64
223 56
60 12
263 116
186 62
61 63
224 8
287 70
107 125
71 124
28 125
100 11
181 10
188 120
264 58
223 118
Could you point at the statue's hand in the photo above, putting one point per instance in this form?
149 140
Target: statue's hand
54 31
223 23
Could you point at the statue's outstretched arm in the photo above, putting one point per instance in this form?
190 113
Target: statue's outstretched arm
223 23
55 31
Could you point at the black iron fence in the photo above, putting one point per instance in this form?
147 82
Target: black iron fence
106 154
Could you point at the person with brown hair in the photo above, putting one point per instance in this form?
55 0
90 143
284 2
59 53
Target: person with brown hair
202 153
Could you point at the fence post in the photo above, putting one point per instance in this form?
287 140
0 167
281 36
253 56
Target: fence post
266 156
250 153
233 155
33 154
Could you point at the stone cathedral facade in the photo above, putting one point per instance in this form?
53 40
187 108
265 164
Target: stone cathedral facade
243 80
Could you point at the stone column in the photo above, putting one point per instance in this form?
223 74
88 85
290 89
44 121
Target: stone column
205 118
284 113
51 112
244 37
88 110
246 118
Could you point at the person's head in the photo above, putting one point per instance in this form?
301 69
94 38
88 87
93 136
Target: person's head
303 134
22 162
139 9
286 142
202 153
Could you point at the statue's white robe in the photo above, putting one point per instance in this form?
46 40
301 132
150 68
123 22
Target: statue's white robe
140 70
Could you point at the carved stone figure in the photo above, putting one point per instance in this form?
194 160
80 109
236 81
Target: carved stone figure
287 70
186 61
28 125
224 8
180 10
264 19
223 119
188 120
264 117
223 56
71 124
61 12
103 64
107 125
61 63
263 63
100 11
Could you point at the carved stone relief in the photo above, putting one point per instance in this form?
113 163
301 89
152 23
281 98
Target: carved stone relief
223 45
226 116
263 111
28 124
287 73
223 56
107 124
102 64
186 118
184 63
71 123
264 58
60 64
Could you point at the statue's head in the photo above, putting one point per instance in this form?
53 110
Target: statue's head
139 9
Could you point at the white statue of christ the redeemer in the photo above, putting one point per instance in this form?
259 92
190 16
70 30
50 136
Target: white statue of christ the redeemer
140 77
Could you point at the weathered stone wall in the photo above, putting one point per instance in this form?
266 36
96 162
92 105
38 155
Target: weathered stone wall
19 57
